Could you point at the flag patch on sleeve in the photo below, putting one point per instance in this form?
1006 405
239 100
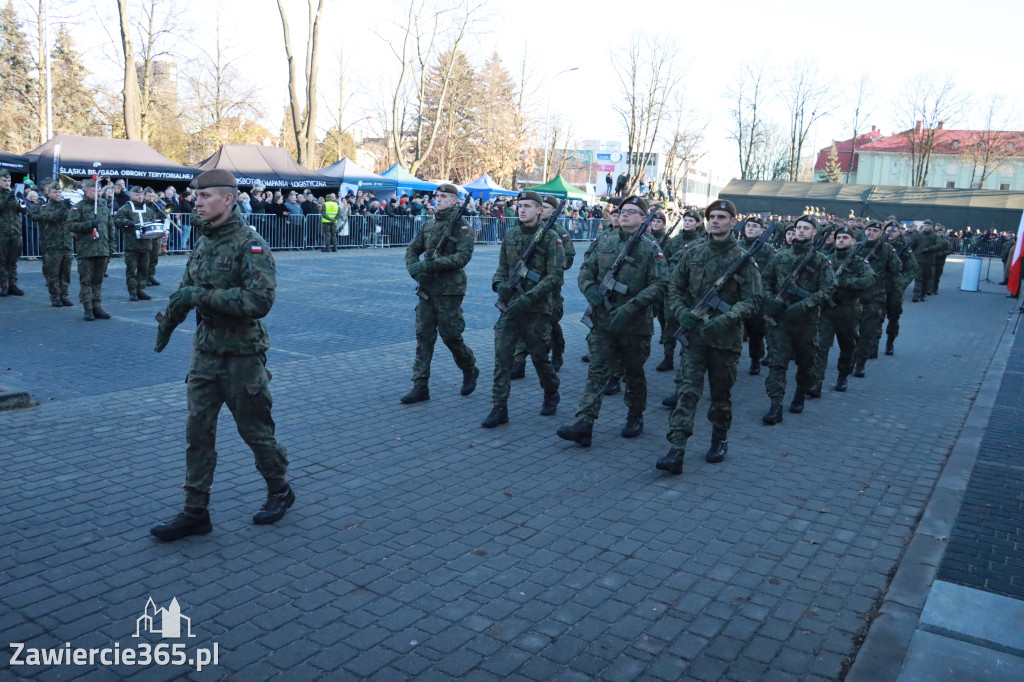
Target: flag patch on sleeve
465 228
661 255
256 248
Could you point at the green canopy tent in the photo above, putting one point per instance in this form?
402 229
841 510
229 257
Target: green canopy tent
558 187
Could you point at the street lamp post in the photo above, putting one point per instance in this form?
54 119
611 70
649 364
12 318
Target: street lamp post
547 119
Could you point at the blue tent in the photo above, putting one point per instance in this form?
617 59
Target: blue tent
407 182
485 188
354 178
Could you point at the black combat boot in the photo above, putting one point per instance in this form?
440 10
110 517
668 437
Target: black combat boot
13 290
550 405
189 521
556 362
334 249
670 401
672 462
841 384
469 378
755 366
858 369
666 365
498 415
916 299
815 390
634 426
718 450
612 387
153 282
66 302
143 296
518 369
99 312
88 316
417 395
890 347
275 506
55 302
873 355
797 406
581 432
773 415
585 358
133 296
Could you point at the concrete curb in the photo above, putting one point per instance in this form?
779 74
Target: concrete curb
881 657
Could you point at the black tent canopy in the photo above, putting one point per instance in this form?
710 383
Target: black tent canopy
267 166
15 163
74 155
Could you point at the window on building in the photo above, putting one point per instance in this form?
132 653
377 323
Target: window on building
1004 186
895 168
1009 147
950 184
956 144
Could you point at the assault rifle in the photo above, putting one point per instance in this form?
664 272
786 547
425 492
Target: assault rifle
609 283
853 255
712 301
521 271
447 235
789 292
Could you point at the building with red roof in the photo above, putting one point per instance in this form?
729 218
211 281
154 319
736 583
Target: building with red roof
848 154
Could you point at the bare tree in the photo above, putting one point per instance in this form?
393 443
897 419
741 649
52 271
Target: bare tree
862 110
990 149
687 135
749 125
927 102
303 111
808 98
130 91
648 73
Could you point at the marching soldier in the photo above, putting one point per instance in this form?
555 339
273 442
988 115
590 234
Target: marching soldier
528 313
94 231
155 245
715 345
620 338
945 248
841 314
442 286
691 233
659 233
10 236
754 325
794 320
129 219
886 265
896 285
53 219
925 248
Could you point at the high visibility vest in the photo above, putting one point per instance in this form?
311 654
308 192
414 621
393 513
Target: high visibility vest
331 209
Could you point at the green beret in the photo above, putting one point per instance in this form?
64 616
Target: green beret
873 224
150 190
135 188
756 219
722 205
660 215
48 183
806 219
448 188
217 177
551 201
790 228
694 213
529 195
845 230
634 200
87 183
4 173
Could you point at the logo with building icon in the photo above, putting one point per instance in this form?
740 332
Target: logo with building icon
164 622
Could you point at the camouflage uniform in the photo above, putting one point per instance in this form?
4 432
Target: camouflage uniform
444 283
235 270
795 339
156 246
677 245
136 249
92 249
754 325
53 220
945 248
557 303
629 349
896 285
533 324
717 356
840 321
886 266
664 243
925 247
10 239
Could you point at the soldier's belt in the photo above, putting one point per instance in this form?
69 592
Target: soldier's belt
217 322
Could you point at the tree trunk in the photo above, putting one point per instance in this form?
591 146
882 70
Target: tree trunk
132 104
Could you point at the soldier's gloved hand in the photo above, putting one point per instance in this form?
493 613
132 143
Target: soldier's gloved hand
417 269
94 224
186 297
518 306
163 332
688 320
797 310
773 307
716 327
505 292
621 317
593 296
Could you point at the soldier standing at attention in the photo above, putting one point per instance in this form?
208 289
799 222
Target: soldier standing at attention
840 320
557 301
659 233
715 345
795 321
754 325
53 219
691 233
895 286
93 230
945 248
230 278
329 223
155 245
10 237
129 219
620 338
528 316
442 286
925 247
886 265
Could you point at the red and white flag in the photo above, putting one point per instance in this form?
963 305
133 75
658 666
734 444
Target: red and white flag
1013 286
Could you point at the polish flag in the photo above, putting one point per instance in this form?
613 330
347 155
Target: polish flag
1013 286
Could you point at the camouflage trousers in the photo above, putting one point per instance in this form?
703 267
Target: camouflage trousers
441 315
788 341
839 323
155 249
937 274
557 338
535 330
136 270
240 381
893 312
330 234
925 282
720 367
871 318
754 328
611 353
668 326
10 252
90 279
57 271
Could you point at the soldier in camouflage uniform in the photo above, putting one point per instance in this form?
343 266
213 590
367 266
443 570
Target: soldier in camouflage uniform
53 220
660 235
754 325
620 337
442 286
945 248
886 265
230 280
840 316
690 234
10 236
155 245
925 248
93 228
528 315
129 219
557 300
715 345
793 323
895 286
